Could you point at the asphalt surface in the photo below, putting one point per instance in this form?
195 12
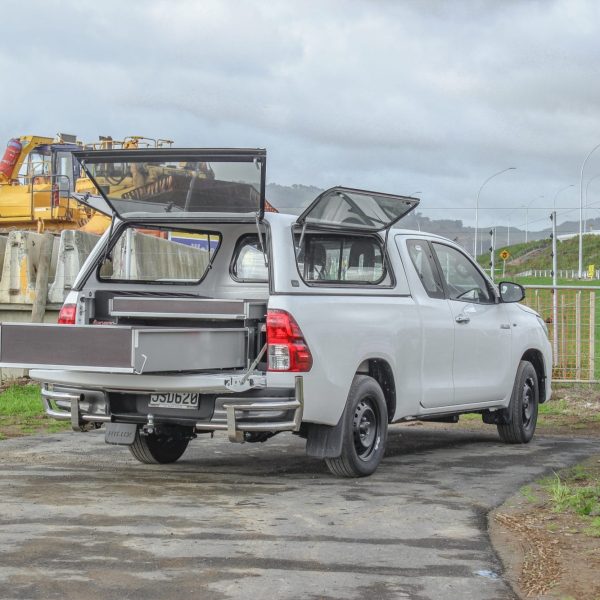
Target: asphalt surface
81 519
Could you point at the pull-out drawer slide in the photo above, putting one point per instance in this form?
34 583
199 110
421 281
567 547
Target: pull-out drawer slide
121 349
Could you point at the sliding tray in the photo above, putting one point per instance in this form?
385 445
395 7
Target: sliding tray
186 308
120 349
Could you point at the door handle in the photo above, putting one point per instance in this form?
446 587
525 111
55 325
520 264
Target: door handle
462 318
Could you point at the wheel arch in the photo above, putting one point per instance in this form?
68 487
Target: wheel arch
381 371
536 358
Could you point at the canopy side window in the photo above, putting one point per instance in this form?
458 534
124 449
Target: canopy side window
248 264
335 259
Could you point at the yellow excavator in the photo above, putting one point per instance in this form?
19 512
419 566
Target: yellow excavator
38 177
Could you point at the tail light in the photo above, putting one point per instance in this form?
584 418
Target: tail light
286 346
67 314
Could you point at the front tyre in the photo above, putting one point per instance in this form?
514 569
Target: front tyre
523 407
158 449
364 430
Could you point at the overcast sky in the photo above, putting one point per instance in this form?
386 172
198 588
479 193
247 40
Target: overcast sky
388 95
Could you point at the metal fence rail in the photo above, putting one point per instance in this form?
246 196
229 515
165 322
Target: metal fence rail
570 314
560 273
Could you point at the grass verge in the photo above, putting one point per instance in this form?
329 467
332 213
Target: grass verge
554 524
22 413
577 492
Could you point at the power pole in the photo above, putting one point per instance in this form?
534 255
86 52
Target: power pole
554 292
492 252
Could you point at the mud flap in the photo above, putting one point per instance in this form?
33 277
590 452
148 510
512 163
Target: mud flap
497 417
325 441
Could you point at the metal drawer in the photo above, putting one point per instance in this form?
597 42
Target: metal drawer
120 349
186 308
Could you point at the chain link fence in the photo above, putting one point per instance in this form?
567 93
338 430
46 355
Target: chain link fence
570 313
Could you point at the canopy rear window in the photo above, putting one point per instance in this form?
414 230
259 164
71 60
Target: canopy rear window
347 208
180 184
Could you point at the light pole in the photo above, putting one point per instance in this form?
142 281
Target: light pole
477 205
587 187
560 191
580 263
527 219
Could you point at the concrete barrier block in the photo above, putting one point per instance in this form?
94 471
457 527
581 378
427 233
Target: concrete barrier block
142 257
21 257
3 241
73 249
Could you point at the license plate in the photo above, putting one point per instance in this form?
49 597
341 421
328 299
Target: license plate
175 400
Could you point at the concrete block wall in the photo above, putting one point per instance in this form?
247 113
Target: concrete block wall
20 254
73 250
138 256
151 258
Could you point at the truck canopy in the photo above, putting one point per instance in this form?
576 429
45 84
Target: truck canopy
207 185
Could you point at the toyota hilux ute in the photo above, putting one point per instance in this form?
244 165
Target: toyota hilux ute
198 311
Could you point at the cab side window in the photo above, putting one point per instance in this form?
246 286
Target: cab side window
424 263
463 280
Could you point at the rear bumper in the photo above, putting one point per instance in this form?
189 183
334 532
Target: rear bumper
233 413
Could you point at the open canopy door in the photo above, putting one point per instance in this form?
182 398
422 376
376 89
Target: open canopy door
347 208
210 185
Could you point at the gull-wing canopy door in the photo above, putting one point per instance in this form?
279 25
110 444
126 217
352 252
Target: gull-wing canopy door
179 184
347 208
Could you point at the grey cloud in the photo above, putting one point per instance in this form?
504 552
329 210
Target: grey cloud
432 96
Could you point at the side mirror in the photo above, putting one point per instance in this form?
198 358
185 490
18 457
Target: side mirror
511 292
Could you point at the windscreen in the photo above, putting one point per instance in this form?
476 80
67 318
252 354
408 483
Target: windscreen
179 185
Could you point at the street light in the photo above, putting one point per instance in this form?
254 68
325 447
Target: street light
580 263
587 187
559 191
527 218
477 205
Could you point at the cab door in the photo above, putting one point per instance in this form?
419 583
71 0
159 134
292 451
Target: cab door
482 330
437 327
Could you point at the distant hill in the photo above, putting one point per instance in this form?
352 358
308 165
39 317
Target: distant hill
295 198
537 255
292 199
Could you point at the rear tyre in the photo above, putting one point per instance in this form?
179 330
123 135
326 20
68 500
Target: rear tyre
158 449
523 407
364 430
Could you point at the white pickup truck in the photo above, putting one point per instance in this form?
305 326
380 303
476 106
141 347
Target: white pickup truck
200 311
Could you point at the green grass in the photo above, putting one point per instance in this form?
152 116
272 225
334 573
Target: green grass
577 492
527 493
554 407
567 255
21 400
470 417
22 413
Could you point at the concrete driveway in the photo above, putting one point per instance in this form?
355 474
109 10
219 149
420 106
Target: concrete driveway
80 519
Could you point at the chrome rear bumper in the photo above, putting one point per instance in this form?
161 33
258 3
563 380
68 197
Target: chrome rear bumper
232 413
